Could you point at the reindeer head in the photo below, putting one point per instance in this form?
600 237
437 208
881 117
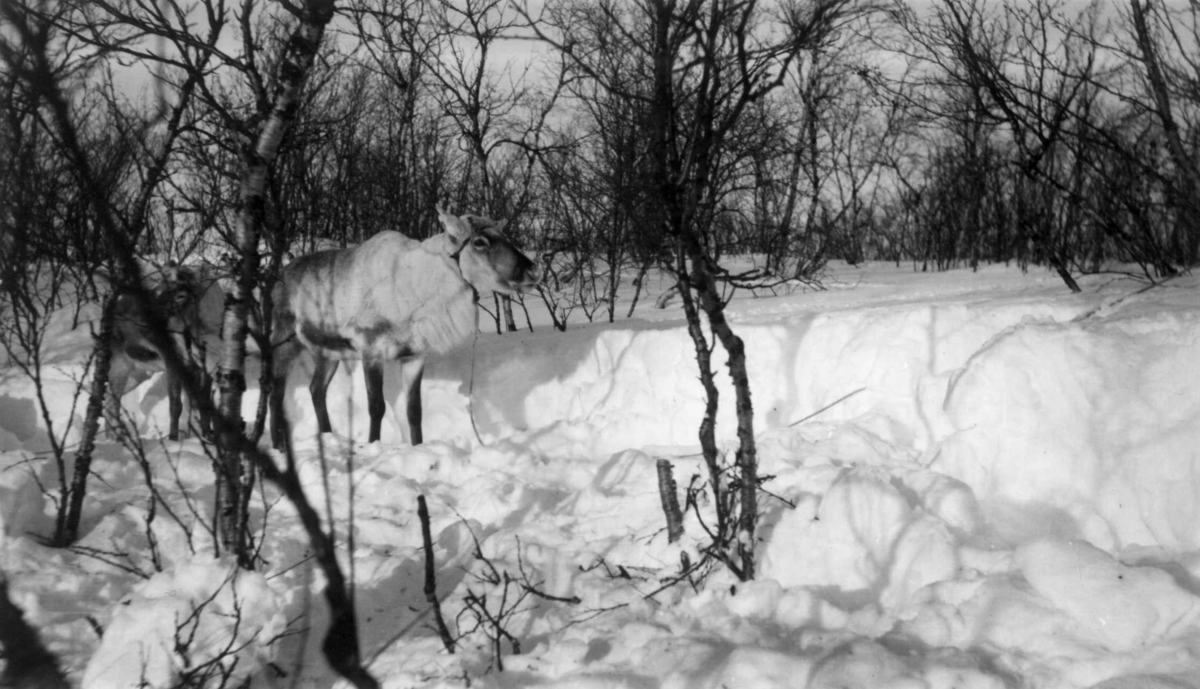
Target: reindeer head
178 296
190 298
488 260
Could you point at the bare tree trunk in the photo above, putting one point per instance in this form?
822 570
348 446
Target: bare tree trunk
341 646
68 530
779 260
236 479
670 500
705 75
676 219
747 455
712 396
431 577
1187 179
510 324
614 283
637 285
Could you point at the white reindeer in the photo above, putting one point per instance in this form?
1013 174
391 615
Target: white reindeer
389 298
192 303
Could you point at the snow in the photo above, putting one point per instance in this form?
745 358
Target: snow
980 480
217 610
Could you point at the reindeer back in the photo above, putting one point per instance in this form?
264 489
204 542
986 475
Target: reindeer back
387 295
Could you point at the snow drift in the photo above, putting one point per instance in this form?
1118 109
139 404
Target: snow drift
979 480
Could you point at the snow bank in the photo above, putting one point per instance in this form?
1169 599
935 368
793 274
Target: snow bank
590 390
201 621
22 504
1095 420
992 483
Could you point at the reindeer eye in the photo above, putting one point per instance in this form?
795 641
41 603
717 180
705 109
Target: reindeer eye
480 243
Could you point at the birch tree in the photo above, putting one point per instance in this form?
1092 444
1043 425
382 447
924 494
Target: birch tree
128 178
709 62
30 30
236 478
1185 197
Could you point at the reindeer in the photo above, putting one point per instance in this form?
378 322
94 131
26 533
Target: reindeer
192 304
390 298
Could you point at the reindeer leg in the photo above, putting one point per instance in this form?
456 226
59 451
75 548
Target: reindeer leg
118 380
206 387
413 403
282 356
175 402
323 371
373 375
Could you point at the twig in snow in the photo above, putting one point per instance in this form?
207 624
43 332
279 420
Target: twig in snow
670 501
832 404
431 577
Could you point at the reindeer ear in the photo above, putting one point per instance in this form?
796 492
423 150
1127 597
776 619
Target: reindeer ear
458 228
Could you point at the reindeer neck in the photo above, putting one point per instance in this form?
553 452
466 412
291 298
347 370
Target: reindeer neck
446 317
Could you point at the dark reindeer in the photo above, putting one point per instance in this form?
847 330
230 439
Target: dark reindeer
192 303
389 298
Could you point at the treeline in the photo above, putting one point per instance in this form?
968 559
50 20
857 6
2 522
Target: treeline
968 131
1046 133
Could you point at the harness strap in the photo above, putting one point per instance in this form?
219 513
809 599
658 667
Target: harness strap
458 255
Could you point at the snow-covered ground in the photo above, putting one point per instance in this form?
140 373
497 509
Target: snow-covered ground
1005 492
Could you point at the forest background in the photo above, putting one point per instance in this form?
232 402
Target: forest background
631 135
